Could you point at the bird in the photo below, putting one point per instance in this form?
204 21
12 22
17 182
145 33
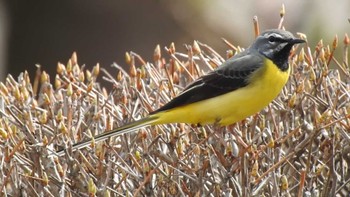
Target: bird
240 87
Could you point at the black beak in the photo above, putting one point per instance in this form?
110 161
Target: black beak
296 41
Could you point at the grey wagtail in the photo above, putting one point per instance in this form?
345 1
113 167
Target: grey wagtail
240 87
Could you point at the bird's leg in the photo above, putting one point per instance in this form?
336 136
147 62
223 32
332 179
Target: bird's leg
219 131
196 125
217 126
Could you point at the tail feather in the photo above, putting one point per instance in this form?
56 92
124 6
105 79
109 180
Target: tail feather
132 126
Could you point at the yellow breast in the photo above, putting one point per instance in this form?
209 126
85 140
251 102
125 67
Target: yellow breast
264 85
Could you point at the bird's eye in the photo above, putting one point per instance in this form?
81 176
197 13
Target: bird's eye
271 39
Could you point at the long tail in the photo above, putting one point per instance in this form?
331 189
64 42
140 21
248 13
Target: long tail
132 126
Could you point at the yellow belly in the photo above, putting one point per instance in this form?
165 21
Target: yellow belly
265 85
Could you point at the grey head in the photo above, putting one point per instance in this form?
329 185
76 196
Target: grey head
276 44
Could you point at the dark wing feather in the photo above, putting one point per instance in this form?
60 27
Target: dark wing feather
231 75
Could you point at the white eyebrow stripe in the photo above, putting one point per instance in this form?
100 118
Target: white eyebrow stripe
274 34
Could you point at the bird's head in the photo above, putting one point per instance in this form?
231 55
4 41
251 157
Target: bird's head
276 44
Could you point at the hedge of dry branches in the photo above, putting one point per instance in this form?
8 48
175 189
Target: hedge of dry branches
298 145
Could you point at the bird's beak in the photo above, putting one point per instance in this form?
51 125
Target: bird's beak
296 41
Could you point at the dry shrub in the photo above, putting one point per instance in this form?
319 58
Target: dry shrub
298 145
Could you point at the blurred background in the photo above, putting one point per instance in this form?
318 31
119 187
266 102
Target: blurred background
46 32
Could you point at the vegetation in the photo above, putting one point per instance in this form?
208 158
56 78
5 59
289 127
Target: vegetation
298 145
